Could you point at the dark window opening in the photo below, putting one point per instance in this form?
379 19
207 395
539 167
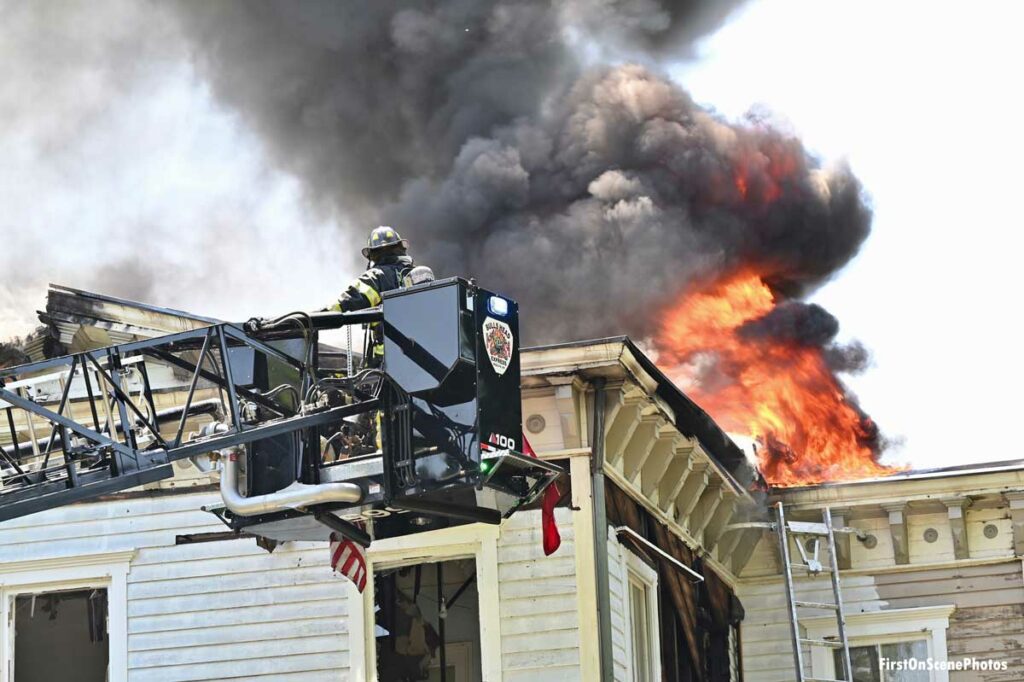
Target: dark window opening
418 624
61 636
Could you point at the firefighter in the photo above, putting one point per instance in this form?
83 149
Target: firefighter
389 266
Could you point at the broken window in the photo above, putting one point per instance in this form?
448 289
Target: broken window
60 636
428 622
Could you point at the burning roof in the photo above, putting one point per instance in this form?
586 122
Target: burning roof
761 366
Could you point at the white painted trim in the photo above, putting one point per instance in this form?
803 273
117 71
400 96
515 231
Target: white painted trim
894 568
874 492
8 568
928 623
477 541
635 569
584 544
490 607
107 571
357 625
564 454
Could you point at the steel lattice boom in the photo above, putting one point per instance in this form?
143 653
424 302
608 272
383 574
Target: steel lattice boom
88 424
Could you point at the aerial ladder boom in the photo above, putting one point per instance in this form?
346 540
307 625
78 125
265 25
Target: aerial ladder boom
430 438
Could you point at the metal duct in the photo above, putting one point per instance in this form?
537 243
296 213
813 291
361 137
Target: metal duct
296 496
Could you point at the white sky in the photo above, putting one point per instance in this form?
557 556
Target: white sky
922 98
925 100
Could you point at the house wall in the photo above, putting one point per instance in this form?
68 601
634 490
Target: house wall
228 610
987 623
207 611
538 601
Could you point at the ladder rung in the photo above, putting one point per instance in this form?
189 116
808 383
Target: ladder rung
816 605
805 567
805 528
822 642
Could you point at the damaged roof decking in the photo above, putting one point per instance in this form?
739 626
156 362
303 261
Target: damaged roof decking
604 357
74 306
70 311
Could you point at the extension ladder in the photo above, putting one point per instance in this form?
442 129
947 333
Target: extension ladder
810 562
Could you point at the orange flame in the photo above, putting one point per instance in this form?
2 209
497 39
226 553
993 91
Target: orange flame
741 183
783 395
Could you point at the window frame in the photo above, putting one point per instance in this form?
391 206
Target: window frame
107 571
877 646
635 571
891 626
475 541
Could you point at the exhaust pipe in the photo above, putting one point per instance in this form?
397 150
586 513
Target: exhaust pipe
296 496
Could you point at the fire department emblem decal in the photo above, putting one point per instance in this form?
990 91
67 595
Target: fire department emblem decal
498 342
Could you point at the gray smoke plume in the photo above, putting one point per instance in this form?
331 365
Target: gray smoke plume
122 175
490 135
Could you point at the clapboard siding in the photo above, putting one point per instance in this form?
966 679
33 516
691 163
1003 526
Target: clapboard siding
539 611
617 597
988 621
211 611
767 651
229 610
271 668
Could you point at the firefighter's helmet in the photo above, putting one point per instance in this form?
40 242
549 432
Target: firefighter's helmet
381 238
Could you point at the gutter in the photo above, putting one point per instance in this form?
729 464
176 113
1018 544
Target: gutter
600 512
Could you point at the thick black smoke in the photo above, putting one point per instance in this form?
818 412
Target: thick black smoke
808 325
492 135
795 323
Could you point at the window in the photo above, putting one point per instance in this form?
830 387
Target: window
868 662
73 622
475 546
413 628
892 634
644 643
76 606
640 627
